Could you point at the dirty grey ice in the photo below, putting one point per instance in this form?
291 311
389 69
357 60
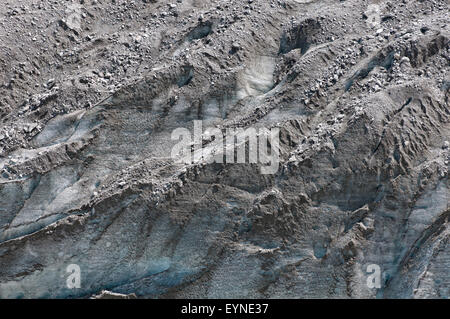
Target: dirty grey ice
92 205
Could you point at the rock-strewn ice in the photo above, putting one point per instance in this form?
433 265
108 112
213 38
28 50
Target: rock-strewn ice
90 92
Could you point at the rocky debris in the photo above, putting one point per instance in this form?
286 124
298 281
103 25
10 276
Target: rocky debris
73 17
88 104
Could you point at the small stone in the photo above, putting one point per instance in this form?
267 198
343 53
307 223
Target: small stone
50 83
405 59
